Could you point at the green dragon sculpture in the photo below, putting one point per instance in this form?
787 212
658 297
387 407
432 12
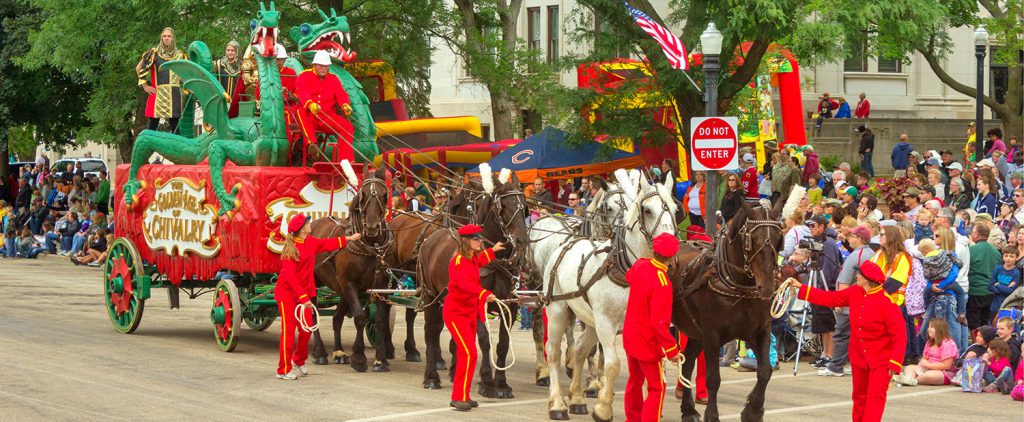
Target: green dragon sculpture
332 35
245 141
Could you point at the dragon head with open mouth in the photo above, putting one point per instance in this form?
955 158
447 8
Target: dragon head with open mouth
264 30
332 36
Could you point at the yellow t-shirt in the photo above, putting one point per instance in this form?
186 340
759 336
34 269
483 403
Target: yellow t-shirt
814 195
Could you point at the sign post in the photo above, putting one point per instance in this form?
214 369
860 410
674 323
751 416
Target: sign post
714 146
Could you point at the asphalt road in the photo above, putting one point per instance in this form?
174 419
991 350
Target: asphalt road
60 359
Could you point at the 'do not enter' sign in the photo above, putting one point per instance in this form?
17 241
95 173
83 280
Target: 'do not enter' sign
714 143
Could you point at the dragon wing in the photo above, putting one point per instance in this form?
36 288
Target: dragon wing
211 96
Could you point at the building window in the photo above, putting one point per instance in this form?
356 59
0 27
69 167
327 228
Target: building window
890 65
533 28
553 23
857 61
485 132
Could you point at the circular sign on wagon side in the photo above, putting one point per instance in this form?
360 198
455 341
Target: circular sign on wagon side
714 143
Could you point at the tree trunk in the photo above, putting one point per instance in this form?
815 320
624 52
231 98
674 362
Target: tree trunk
503 111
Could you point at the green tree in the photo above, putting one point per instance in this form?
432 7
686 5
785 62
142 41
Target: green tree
100 41
897 30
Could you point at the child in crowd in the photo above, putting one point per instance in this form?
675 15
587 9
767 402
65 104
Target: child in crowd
999 373
982 337
1018 390
9 242
749 361
937 362
28 246
944 298
813 190
923 226
1006 221
862 181
1004 279
1004 330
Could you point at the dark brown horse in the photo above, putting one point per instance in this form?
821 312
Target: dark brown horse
724 294
350 272
502 214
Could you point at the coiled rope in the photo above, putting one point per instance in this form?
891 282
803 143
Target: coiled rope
686 383
505 315
780 300
302 321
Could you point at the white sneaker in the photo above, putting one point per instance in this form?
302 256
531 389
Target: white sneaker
300 369
825 372
289 376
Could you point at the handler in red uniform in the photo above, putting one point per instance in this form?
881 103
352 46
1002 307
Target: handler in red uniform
319 93
645 334
296 288
464 305
878 337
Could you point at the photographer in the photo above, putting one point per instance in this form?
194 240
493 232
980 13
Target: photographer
824 256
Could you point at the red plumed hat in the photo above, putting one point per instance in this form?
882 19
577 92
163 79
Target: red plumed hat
666 245
296 223
872 271
470 230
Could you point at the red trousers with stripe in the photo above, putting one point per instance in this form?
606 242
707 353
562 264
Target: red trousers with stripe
463 331
870 388
702 370
332 124
290 350
639 409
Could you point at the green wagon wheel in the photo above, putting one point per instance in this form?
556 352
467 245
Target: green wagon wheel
226 315
260 321
121 273
371 327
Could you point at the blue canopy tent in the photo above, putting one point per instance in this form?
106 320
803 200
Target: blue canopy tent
547 155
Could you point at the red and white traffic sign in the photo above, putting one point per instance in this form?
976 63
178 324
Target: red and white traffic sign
714 143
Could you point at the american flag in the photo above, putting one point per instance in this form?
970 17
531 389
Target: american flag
673 47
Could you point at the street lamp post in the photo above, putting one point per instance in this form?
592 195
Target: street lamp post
980 45
711 48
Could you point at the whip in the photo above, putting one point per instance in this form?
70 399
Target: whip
780 300
506 315
302 321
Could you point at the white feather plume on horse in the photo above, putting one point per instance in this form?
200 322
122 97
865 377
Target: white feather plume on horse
487 178
622 176
793 201
350 173
504 175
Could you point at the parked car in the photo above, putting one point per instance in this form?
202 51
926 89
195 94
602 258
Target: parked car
91 166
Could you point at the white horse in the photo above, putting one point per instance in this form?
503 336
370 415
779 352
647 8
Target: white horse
577 281
551 232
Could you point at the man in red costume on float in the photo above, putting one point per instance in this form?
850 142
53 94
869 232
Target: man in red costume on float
320 97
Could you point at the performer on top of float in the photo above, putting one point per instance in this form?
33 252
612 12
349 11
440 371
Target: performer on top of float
288 75
320 93
296 288
163 86
878 336
645 334
464 306
227 70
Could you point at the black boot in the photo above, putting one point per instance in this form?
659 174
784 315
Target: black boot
462 406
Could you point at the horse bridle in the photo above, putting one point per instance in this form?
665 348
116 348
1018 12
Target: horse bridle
379 248
649 234
746 232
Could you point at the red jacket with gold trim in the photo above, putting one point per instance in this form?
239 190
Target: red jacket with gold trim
295 283
465 295
878 334
326 92
645 334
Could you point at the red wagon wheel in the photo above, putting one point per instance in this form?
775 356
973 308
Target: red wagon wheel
226 315
120 284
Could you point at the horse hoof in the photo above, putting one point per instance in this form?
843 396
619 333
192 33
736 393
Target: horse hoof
359 367
568 372
432 384
342 360
598 419
413 357
381 367
693 417
591 394
389 354
440 366
558 415
487 391
578 409
505 393
544 382
319 360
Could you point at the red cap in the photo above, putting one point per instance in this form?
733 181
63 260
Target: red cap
296 223
470 230
666 245
872 271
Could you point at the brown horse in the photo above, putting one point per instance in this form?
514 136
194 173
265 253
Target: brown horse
717 300
350 272
502 214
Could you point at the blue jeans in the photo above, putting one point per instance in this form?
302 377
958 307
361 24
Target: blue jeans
50 242
9 244
33 253
78 242
1004 381
944 307
525 318
865 164
65 244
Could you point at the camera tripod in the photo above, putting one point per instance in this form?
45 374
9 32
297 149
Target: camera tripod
814 279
